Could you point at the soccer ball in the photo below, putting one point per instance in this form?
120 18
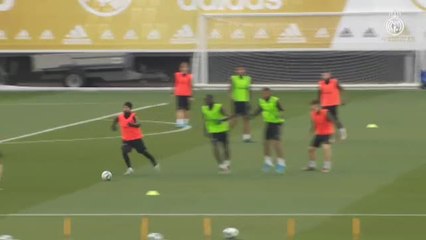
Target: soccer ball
106 175
155 236
230 233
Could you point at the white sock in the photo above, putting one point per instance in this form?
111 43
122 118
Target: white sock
223 166
268 161
327 164
227 163
246 136
343 133
179 121
312 164
281 161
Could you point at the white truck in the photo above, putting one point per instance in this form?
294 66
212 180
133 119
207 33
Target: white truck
77 69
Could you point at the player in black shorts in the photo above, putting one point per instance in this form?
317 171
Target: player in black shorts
183 93
217 127
271 110
323 129
329 95
240 89
132 137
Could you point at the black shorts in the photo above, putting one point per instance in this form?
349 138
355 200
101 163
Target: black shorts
333 110
182 103
137 144
319 140
241 108
220 137
273 131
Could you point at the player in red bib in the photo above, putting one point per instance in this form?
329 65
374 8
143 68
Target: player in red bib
323 128
132 137
183 93
329 95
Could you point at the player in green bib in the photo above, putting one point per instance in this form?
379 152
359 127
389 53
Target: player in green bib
241 93
271 109
216 126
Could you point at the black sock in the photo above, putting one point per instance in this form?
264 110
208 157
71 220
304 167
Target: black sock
127 160
150 157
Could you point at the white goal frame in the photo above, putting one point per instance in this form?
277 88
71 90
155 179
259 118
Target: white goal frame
201 55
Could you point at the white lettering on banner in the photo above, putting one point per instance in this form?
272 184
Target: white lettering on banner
6 5
131 35
77 36
23 35
3 35
185 35
107 35
215 34
322 33
154 35
238 34
105 8
261 34
233 5
47 35
291 34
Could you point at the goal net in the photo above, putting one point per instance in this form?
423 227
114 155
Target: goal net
292 50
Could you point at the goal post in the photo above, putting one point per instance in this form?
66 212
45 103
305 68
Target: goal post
290 50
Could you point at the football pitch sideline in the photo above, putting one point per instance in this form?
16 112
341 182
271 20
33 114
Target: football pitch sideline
59 143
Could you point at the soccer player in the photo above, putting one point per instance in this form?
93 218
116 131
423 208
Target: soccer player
183 93
323 123
329 95
132 137
241 92
217 127
271 109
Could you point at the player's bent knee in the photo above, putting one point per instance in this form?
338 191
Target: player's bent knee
326 146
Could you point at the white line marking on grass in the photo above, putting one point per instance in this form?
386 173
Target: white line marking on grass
76 124
103 138
214 215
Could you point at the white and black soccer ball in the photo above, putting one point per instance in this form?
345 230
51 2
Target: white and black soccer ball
106 175
155 236
230 233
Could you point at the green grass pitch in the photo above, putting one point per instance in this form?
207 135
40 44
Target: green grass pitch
376 171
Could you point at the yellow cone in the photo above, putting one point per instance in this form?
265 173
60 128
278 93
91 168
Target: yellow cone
152 193
372 125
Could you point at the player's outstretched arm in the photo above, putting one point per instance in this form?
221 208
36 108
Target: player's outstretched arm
227 117
114 124
256 113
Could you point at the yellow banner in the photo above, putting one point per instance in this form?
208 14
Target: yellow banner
155 25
